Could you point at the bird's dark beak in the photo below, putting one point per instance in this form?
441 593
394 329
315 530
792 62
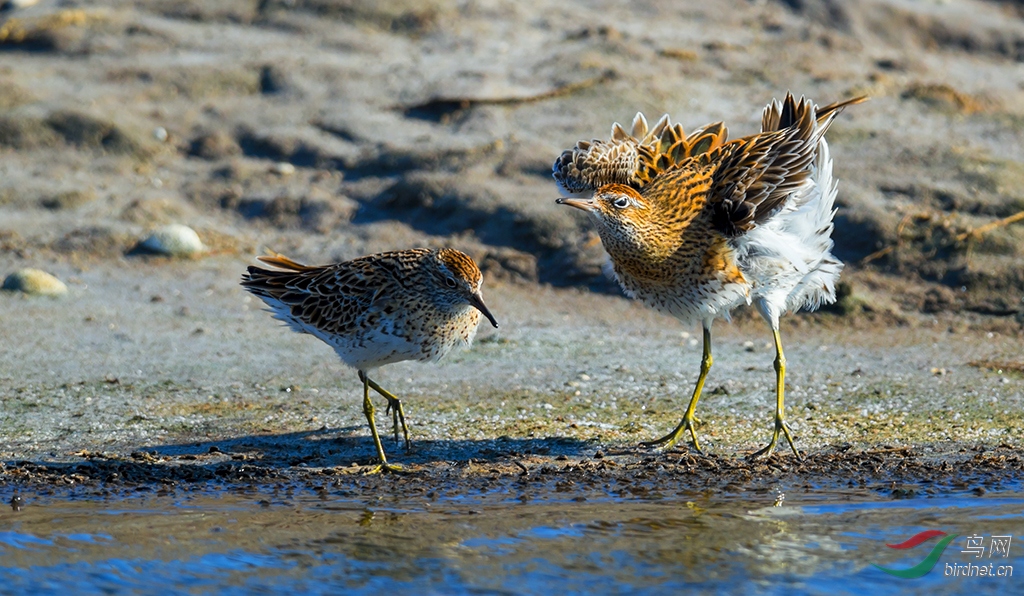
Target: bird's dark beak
583 204
478 301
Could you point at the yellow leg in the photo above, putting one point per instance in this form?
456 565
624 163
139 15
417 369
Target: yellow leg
395 408
689 420
780 414
368 411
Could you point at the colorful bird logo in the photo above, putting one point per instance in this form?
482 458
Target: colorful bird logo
926 565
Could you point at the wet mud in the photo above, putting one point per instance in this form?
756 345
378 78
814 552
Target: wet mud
528 471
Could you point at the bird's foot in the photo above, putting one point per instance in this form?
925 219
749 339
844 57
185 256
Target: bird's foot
669 441
393 411
386 468
394 408
780 427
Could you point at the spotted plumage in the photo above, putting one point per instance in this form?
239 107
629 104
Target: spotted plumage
413 304
744 221
631 158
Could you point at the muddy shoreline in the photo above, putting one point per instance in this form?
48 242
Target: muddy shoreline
625 473
205 394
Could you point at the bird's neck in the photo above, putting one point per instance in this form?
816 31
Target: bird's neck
658 252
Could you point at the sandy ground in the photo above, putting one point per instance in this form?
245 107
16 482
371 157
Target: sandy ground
201 385
327 130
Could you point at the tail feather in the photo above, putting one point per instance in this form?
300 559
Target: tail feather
263 282
778 115
273 283
834 109
283 262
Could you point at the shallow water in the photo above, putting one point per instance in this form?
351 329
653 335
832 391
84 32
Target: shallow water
262 542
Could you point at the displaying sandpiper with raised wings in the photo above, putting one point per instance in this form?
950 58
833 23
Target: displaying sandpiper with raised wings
412 304
697 225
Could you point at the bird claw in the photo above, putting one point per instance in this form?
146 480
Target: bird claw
669 441
769 449
393 409
387 468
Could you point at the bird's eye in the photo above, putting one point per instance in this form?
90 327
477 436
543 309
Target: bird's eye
621 202
450 281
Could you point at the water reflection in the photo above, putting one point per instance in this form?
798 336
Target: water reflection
233 543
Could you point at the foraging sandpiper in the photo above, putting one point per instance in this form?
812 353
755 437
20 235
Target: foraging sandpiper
404 305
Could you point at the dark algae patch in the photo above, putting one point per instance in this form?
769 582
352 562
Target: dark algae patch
896 472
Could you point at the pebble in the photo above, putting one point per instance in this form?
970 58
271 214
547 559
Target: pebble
175 240
35 282
283 168
13 4
160 134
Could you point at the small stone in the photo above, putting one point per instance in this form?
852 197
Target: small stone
160 133
35 282
14 4
174 240
283 168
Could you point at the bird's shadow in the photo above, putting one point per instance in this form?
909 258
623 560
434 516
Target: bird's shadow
266 457
341 446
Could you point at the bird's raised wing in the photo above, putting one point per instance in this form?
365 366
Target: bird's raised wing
635 158
591 164
776 116
755 175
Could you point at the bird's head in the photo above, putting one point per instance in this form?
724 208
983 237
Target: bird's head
623 216
459 280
